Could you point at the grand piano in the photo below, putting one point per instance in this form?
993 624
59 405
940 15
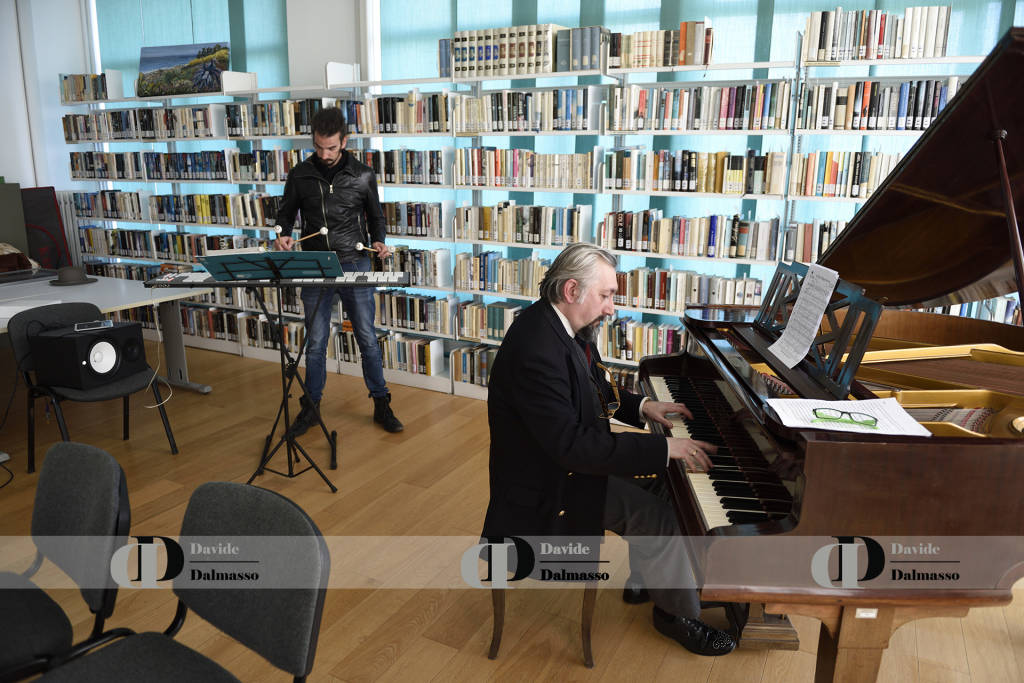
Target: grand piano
940 230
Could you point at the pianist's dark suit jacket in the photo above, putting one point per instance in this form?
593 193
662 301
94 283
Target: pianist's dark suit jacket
551 453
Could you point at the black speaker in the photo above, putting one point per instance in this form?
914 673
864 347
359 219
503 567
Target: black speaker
87 359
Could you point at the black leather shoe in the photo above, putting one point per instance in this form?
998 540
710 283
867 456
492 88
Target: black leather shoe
634 593
693 634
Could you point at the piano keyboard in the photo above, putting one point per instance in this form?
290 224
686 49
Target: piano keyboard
740 488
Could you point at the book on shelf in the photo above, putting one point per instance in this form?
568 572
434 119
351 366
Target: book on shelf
752 106
692 44
849 35
75 88
525 50
555 109
871 105
637 169
649 231
523 224
418 219
397 308
525 169
852 175
408 167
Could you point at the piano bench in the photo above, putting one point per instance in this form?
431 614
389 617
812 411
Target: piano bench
589 600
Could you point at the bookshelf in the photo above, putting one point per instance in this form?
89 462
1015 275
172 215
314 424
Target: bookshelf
470 123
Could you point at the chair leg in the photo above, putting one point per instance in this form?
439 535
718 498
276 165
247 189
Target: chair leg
587 620
124 419
60 420
31 412
163 418
498 602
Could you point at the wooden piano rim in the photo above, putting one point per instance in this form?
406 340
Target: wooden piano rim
902 597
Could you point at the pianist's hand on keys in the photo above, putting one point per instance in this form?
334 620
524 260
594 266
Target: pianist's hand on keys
694 453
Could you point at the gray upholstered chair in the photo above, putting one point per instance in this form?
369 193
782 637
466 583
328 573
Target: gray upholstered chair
281 624
35 320
80 517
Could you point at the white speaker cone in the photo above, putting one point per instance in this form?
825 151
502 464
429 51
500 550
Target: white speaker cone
102 357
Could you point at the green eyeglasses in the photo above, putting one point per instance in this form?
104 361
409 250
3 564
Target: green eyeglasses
844 417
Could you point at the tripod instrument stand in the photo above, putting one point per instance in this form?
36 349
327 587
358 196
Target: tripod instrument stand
289 373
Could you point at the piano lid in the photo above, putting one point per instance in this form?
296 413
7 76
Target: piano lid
935 231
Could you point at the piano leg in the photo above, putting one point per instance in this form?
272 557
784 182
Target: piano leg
763 631
850 647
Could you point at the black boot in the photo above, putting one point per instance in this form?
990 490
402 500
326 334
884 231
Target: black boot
306 418
383 416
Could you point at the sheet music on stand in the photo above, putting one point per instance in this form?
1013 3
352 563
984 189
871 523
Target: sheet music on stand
802 327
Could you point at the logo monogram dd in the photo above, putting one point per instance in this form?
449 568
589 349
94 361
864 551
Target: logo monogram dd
849 561
497 562
145 572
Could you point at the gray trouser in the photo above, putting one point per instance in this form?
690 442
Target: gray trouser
647 521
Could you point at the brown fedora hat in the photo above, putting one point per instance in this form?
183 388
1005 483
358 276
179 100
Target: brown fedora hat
71 275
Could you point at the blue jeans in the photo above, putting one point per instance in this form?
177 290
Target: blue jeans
357 303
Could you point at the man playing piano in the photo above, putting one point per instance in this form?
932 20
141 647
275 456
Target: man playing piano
336 192
556 469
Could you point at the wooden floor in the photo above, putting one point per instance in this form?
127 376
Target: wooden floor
429 480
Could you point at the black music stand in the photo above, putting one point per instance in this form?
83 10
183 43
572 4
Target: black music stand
275 266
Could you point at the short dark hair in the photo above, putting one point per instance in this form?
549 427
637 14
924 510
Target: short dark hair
329 121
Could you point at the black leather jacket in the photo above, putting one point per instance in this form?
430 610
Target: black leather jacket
348 206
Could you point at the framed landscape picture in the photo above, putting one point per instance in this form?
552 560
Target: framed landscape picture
181 69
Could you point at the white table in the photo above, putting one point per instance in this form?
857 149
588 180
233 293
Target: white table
113 294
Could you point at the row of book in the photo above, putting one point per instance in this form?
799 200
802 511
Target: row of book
805 241
215 323
480 321
415 355
240 210
524 168
156 244
838 35
426 267
521 50
396 308
130 271
107 166
83 87
557 109
638 169
755 106
691 44
407 166
626 339
718 236
264 165
412 113
839 174
523 224
491 271
416 219
147 123
472 364
872 105
273 117
663 289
